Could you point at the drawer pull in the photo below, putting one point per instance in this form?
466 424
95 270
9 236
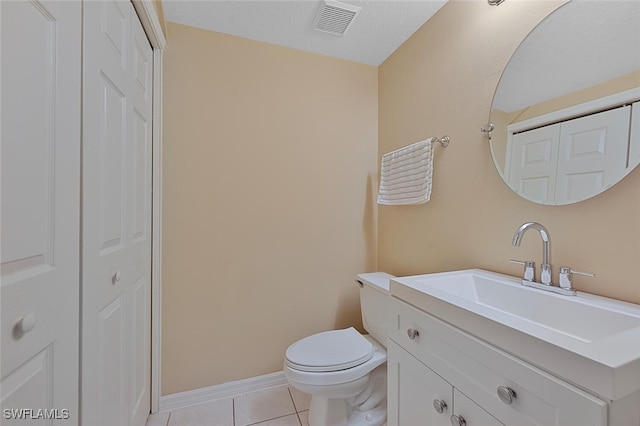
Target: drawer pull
439 405
412 333
506 394
458 420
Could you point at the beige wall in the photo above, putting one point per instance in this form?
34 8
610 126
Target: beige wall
610 87
441 81
269 160
270 168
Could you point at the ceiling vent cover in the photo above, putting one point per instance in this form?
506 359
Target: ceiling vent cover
335 17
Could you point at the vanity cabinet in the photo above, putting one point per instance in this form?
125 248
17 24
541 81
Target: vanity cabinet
428 359
422 397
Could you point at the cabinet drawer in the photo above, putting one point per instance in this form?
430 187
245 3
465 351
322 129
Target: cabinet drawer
478 369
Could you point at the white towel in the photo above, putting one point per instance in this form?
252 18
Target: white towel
405 176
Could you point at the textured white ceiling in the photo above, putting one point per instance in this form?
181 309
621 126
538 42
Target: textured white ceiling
377 31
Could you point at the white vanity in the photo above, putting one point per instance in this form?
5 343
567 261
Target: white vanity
474 347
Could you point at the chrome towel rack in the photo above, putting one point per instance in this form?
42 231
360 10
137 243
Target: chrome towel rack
444 141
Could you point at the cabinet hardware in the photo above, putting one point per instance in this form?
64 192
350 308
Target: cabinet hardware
458 420
506 394
413 333
439 405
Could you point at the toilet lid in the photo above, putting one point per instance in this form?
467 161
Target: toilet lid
329 351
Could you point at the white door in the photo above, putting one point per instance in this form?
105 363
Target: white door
531 167
40 207
116 271
593 154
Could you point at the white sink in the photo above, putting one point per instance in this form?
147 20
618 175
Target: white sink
584 330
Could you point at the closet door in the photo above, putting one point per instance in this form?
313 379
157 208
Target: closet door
531 168
593 154
116 215
40 205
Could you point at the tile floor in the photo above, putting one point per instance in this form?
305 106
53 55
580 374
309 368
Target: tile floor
278 406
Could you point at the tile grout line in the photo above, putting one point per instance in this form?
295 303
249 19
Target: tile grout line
296 411
292 401
294 405
269 420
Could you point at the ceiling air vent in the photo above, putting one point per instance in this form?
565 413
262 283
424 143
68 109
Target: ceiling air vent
335 17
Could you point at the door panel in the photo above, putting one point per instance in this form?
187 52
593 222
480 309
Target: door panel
141 185
116 216
112 386
31 383
593 154
40 187
139 378
533 163
112 134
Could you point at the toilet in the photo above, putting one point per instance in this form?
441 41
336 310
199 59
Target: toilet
344 371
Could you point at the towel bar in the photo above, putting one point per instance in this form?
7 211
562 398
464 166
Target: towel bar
444 141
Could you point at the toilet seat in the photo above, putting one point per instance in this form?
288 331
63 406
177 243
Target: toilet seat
329 351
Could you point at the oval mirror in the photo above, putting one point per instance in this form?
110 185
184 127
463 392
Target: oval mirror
566 110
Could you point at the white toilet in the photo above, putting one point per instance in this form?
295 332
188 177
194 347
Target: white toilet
344 371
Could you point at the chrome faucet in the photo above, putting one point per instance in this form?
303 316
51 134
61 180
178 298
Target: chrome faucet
529 278
546 271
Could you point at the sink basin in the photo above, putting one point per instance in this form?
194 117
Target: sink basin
580 318
499 309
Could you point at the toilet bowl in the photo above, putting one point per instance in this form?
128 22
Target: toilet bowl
344 371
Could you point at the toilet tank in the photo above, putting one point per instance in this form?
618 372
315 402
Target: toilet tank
374 290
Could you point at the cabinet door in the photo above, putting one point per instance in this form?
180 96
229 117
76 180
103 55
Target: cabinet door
413 388
471 412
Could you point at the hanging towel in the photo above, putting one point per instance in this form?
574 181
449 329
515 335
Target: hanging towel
405 176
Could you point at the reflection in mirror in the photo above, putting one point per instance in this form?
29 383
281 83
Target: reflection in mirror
566 110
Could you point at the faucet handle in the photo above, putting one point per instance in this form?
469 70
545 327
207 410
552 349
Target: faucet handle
529 273
566 276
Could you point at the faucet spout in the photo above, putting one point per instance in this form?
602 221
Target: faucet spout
545 275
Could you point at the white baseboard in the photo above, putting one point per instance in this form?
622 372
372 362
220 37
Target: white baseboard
225 390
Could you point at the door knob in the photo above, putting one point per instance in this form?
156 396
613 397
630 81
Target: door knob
26 323
116 277
413 333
